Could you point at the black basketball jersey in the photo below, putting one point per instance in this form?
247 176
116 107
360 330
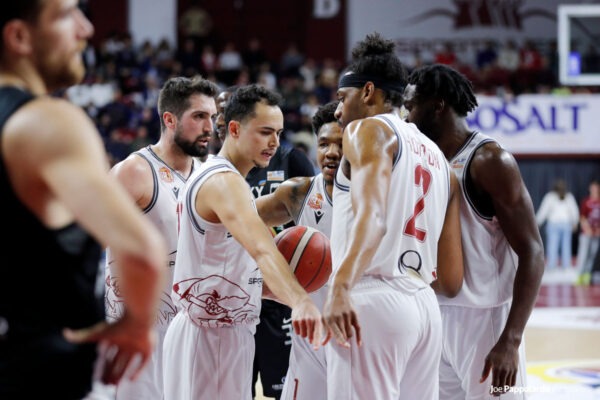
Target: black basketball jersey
47 282
286 163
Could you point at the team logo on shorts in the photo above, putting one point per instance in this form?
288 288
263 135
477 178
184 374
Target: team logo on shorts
165 174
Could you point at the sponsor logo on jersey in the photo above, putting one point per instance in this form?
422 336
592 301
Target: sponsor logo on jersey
318 215
255 281
165 174
316 201
276 176
459 163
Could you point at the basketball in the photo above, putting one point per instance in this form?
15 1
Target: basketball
307 251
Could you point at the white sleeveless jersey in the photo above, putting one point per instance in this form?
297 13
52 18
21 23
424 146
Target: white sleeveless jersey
416 208
162 211
216 281
317 207
490 263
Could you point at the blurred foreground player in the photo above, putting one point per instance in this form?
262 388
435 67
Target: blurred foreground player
59 199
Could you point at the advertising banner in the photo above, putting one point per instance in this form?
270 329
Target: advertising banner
541 124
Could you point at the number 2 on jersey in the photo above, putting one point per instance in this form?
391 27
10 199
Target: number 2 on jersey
423 179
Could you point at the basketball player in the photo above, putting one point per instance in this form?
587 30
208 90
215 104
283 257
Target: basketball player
61 206
503 253
307 201
273 333
395 229
224 250
154 176
220 128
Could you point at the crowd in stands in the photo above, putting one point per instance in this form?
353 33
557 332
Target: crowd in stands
123 80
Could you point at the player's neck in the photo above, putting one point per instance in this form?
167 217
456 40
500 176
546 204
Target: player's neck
174 157
455 135
239 161
24 76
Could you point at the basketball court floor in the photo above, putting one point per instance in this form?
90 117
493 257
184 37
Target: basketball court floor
562 341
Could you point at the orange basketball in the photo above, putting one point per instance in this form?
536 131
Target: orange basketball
307 251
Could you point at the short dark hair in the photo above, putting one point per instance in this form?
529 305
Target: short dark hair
324 115
27 10
242 103
444 82
175 95
374 56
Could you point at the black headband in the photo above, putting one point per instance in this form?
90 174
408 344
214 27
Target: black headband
351 79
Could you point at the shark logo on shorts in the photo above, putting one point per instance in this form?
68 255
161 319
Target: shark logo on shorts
215 299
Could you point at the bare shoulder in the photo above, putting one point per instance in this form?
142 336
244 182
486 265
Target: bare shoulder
367 127
135 174
366 139
47 124
50 116
49 129
491 160
495 170
224 188
222 196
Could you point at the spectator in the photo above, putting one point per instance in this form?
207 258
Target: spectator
560 214
589 236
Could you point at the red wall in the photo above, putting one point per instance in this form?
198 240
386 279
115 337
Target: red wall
277 23
107 16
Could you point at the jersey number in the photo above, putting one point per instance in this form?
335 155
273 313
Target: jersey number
423 179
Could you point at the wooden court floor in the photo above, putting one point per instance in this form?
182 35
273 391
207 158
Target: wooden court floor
562 341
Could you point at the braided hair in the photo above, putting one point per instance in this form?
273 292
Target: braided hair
441 81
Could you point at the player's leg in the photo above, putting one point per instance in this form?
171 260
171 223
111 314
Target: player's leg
450 383
452 357
421 380
273 344
565 246
583 251
149 383
207 363
389 320
552 239
179 355
471 346
306 377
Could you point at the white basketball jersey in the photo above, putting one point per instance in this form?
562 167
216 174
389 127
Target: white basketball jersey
216 281
317 207
162 211
490 263
416 208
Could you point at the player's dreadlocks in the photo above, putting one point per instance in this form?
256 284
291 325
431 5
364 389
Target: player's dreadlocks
444 82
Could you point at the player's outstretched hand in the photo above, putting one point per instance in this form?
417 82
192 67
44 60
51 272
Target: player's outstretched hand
340 316
502 361
308 322
124 343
